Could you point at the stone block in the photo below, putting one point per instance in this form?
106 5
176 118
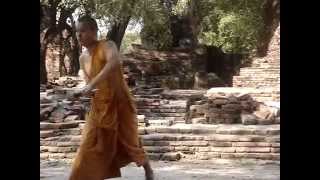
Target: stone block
275 145
253 149
154 156
66 144
251 144
62 149
220 144
228 155
46 134
158 149
171 156
223 149
275 150
274 139
200 120
207 155
196 143
204 149
248 119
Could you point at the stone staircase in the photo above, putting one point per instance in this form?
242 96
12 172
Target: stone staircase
169 126
261 76
61 140
156 109
263 73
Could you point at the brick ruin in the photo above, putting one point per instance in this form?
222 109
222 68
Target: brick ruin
179 114
264 72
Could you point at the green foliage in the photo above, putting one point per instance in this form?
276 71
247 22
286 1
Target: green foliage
156 33
128 40
232 25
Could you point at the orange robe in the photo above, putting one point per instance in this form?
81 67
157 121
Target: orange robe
110 138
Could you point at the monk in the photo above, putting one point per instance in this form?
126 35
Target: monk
110 138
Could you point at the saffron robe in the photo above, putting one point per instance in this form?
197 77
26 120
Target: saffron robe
110 136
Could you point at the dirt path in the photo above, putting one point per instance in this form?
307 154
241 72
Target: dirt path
184 170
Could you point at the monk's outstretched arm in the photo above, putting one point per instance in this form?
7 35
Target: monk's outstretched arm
111 53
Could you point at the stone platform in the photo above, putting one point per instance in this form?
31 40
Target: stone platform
179 141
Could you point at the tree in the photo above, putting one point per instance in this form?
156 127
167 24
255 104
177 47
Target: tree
51 31
116 14
232 25
271 19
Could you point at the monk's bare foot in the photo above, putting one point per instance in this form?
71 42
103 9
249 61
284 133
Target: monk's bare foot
149 175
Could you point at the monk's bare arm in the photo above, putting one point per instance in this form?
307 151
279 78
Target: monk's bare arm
82 72
113 62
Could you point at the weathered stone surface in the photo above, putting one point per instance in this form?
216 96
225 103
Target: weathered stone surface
235 138
220 144
171 156
248 119
253 149
199 121
251 144
223 149
46 134
207 155
62 149
276 145
154 156
275 150
158 149
62 125
72 118
66 144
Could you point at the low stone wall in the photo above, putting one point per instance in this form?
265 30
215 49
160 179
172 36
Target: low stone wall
61 140
218 123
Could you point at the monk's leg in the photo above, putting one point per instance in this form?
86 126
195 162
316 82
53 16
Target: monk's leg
148 170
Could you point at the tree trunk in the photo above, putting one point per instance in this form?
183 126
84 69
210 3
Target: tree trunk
271 19
119 27
185 28
43 69
75 50
62 66
117 31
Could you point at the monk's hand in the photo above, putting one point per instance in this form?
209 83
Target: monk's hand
82 92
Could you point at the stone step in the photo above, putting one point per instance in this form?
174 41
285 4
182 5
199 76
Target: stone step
141 111
63 138
199 147
227 129
175 156
62 125
215 146
59 132
257 78
214 155
153 96
149 91
167 114
163 106
160 122
57 156
259 72
174 119
61 149
54 143
205 139
261 69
